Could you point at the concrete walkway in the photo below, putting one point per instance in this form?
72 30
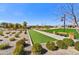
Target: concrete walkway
51 35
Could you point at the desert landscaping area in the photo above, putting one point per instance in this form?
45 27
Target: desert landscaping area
8 41
39 29
21 40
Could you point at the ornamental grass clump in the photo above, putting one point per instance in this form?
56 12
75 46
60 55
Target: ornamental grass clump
1 33
13 32
68 42
21 42
6 37
19 50
8 33
37 49
51 46
17 35
61 44
4 46
12 39
76 45
25 32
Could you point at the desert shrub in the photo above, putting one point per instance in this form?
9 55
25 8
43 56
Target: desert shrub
51 46
76 45
20 42
8 33
12 39
4 45
19 50
17 35
25 32
20 31
6 37
25 39
61 44
1 40
68 42
1 33
37 49
13 32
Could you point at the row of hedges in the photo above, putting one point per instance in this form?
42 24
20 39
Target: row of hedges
62 44
19 50
61 33
38 49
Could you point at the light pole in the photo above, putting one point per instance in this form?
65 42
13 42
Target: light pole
64 20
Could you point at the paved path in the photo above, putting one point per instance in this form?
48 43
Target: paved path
51 35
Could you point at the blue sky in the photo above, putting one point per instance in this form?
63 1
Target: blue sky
35 14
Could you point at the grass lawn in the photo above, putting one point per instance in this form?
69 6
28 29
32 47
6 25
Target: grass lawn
62 30
39 38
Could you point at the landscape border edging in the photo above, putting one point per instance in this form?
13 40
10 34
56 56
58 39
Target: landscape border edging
29 38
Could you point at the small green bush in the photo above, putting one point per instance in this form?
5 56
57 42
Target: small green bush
61 44
51 46
68 42
76 45
8 33
4 46
12 39
13 32
19 50
17 35
1 33
6 37
37 49
20 42
1 40
25 32
20 31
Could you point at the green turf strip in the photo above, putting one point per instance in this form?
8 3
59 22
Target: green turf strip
39 38
62 30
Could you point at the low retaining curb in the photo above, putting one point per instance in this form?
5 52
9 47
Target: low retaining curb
29 38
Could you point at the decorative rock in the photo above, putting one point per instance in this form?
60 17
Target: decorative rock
71 35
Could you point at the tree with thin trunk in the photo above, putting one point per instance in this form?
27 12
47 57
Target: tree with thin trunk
25 25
